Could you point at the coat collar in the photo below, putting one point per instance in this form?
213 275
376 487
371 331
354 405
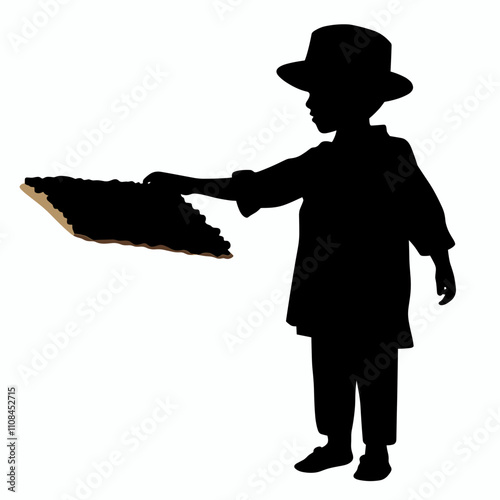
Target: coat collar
372 132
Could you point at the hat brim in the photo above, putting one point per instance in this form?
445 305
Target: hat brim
304 76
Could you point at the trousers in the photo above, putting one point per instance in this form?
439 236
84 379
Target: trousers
337 370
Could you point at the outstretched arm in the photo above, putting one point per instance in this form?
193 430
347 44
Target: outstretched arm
272 187
217 188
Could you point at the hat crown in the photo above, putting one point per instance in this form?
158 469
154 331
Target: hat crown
349 48
344 54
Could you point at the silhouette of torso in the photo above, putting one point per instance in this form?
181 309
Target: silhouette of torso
364 199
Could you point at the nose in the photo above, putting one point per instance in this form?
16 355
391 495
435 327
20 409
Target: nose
308 102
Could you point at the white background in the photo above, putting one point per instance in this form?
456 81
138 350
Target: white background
165 334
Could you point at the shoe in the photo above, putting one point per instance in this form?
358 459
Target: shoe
323 458
372 469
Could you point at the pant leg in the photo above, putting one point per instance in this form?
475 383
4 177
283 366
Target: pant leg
378 394
334 390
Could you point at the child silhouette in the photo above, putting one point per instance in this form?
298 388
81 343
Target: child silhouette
364 200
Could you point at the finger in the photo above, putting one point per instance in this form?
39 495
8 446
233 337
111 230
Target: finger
448 296
150 178
444 301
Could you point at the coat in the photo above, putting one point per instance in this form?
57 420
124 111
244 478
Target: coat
364 200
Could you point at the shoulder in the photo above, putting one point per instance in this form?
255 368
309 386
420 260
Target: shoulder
316 151
400 149
291 165
398 143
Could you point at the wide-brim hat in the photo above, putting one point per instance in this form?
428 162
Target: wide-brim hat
343 53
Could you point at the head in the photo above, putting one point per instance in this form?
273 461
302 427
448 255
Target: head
347 73
346 104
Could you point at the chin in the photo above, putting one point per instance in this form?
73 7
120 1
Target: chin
324 126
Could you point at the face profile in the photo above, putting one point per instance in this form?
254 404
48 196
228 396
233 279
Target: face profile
346 105
347 73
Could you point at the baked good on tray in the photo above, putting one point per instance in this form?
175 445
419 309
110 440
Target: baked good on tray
129 213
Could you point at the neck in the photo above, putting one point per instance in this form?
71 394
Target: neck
353 130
